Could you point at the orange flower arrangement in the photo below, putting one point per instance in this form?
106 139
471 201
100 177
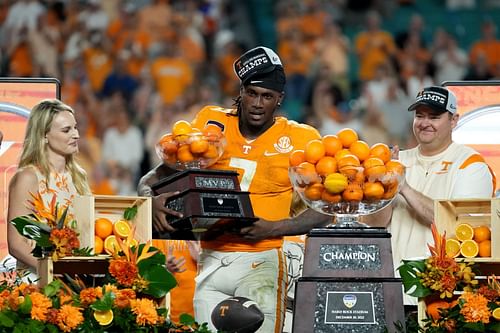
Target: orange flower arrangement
477 309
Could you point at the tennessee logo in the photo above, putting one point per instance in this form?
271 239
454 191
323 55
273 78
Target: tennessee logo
283 145
445 167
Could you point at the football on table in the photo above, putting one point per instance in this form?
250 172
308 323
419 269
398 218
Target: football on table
237 315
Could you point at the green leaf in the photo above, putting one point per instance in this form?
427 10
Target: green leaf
52 288
186 319
157 259
60 223
130 213
25 306
474 327
161 281
105 303
28 227
411 282
6 320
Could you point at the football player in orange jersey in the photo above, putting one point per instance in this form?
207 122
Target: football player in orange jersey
258 148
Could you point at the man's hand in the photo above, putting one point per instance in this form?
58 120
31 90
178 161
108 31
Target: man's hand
259 230
160 212
176 265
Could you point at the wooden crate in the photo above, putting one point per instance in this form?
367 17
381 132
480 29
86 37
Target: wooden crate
476 212
72 266
89 208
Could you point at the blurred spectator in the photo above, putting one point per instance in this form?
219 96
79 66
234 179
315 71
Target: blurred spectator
98 60
94 17
122 148
171 73
480 70
413 53
487 48
373 47
419 79
46 37
332 50
119 80
416 27
155 19
450 61
376 91
23 14
224 66
20 55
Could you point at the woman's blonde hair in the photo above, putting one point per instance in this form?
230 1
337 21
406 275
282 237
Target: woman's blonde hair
34 147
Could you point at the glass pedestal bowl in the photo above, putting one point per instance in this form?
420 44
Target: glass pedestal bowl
190 151
366 194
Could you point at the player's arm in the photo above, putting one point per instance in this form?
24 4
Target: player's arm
160 212
298 225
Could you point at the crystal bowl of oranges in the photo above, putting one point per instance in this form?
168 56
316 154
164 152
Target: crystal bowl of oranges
343 176
187 147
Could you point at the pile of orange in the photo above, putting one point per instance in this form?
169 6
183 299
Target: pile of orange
187 144
469 241
106 233
342 167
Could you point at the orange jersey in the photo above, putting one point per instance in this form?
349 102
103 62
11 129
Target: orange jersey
181 297
262 166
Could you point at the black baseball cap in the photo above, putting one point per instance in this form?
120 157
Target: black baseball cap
437 98
261 67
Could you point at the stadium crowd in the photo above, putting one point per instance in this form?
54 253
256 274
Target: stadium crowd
131 69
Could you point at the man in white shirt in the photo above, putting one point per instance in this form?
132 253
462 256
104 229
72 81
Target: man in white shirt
437 168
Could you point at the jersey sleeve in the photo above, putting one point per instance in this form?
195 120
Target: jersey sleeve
474 181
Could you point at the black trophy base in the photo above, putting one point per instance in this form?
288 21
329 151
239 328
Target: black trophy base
336 305
205 228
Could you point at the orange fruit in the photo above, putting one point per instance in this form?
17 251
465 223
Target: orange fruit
104 317
314 191
335 183
212 132
485 248
168 143
198 144
464 231
373 191
374 168
332 144
349 165
103 227
326 165
390 191
184 154
469 248
353 192
121 228
433 308
496 313
330 197
395 167
111 245
382 151
347 136
341 153
98 245
482 233
314 151
181 127
307 171
360 149
452 248
297 157
211 152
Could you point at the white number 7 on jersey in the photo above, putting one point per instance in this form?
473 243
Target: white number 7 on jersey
249 168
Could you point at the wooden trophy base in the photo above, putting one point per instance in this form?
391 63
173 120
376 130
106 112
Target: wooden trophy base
211 203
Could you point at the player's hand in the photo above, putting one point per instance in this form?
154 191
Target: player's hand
259 230
161 213
176 265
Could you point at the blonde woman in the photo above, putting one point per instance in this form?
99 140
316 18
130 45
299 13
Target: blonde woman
46 166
